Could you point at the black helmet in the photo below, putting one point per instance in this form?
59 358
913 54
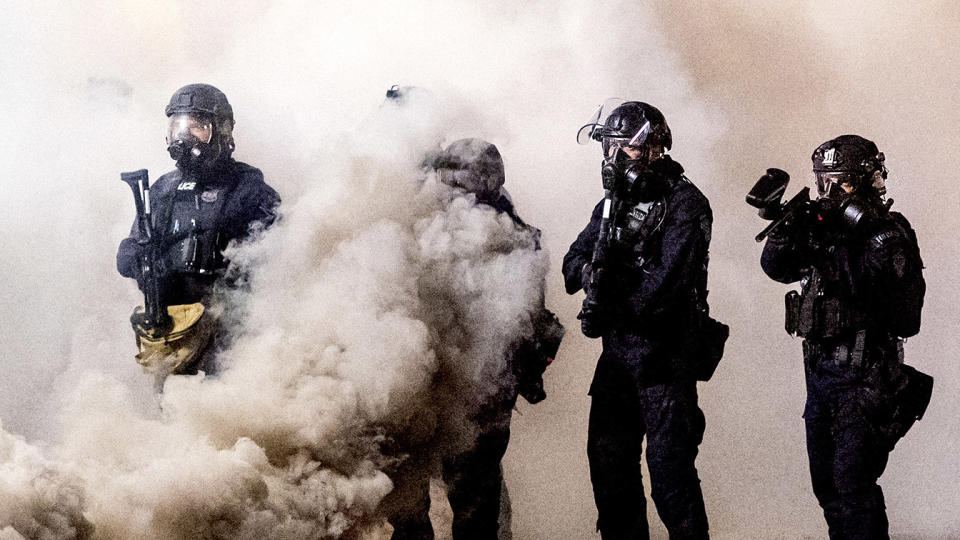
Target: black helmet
473 165
200 115
849 159
632 123
200 99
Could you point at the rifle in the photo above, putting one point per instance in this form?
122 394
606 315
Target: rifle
154 318
590 313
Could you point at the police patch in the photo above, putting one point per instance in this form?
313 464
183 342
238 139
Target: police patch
209 196
705 225
899 264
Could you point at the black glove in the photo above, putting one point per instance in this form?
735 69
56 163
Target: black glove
789 231
586 274
529 366
592 321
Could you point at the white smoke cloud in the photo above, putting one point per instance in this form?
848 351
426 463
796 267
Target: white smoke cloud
341 334
38 498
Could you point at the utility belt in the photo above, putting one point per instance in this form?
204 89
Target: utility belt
907 390
820 316
843 353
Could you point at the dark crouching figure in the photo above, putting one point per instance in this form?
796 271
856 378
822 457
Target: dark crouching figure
642 261
861 293
192 214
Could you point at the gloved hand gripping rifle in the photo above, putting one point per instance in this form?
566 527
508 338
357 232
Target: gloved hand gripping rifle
154 318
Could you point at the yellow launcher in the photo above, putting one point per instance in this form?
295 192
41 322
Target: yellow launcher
175 351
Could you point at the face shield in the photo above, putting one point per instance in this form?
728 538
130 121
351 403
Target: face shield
470 181
190 129
189 139
593 129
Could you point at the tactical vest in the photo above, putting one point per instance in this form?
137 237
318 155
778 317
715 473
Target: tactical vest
824 308
635 240
827 305
193 233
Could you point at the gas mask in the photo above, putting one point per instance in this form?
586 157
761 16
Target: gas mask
632 179
840 206
190 142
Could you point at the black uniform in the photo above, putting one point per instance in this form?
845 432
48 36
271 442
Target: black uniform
642 385
195 216
861 293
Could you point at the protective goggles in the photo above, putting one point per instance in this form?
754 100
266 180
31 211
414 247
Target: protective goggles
839 178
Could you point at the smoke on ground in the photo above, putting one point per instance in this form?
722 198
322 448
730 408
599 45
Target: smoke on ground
338 336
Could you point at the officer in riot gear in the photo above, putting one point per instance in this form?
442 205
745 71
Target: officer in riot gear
861 294
472 469
642 261
474 476
199 208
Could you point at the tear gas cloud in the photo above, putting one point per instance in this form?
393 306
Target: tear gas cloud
349 311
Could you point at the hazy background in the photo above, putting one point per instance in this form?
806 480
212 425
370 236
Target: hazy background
744 87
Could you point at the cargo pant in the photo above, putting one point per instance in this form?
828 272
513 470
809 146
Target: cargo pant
846 443
668 415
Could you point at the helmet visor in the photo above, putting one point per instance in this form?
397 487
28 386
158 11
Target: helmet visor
592 130
189 128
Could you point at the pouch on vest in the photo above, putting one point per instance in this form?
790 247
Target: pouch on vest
791 319
831 317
